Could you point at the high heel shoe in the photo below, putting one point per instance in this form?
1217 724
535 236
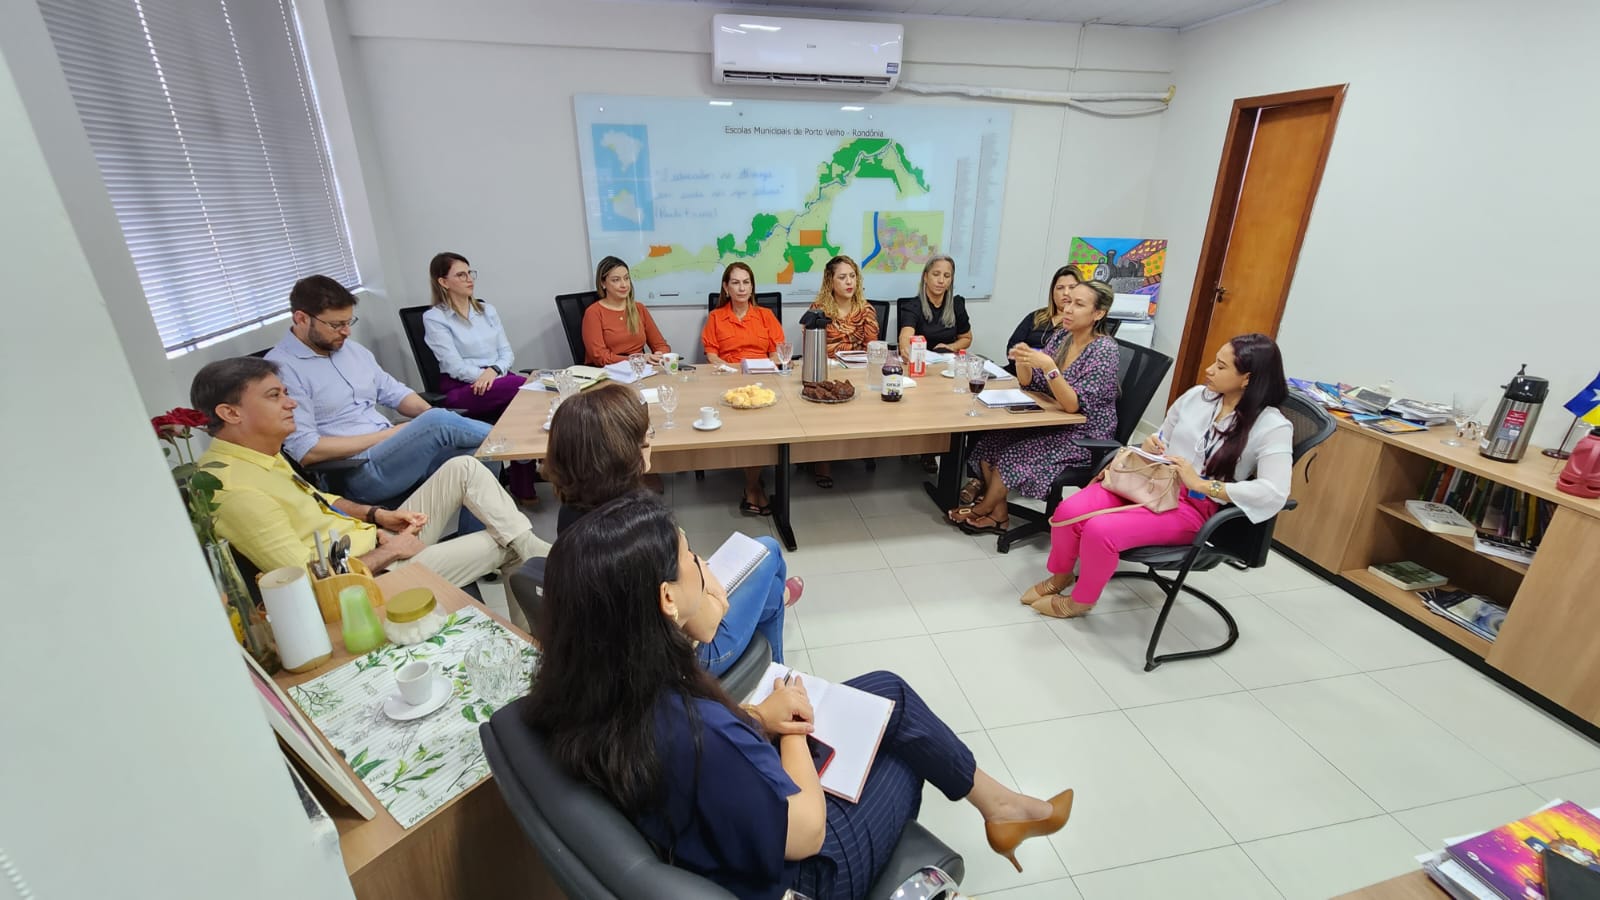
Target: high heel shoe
1042 591
1004 837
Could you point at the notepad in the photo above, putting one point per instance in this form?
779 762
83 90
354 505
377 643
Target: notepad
622 372
736 559
1006 397
848 719
851 359
758 366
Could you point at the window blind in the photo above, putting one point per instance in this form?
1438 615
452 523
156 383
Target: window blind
203 119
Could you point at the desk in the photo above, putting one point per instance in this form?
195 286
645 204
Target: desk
793 430
471 847
1410 886
1352 492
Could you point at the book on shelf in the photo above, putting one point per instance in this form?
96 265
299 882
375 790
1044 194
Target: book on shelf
1516 551
1440 519
848 719
1419 411
1509 860
1365 400
1474 612
1495 510
1407 576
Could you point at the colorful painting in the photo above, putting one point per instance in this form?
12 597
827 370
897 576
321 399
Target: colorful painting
1129 265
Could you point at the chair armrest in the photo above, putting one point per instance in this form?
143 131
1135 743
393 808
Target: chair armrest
1095 444
434 398
1218 519
329 466
1289 504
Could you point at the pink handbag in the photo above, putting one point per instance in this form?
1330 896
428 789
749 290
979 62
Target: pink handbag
1143 482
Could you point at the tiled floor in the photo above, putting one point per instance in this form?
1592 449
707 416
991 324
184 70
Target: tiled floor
1321 753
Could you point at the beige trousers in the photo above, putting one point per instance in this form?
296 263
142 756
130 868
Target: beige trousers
506 541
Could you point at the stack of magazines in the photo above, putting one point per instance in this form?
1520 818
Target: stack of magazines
1474 612
1508 863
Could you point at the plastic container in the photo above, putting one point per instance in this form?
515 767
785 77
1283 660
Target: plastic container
877 355
362 633
412 617
1581 476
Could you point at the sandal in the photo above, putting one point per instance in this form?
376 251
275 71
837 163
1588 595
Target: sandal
1044 590
971 492
825 481
975 525
753 509
1059 606
930 463
958 515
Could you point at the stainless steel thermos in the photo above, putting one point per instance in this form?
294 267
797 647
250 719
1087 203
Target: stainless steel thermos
1509 431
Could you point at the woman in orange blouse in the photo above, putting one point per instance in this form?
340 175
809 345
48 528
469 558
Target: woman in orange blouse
737 330
618 325
842 299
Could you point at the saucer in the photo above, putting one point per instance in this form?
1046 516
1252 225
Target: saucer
699 427
398 709
948 374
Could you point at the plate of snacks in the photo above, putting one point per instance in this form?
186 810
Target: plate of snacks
751 396
828 391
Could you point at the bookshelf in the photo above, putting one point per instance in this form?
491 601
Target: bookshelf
1352 492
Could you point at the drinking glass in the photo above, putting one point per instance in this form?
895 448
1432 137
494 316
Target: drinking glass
494 668
958 374
1462 408
668 396
636 361
785 351
977 377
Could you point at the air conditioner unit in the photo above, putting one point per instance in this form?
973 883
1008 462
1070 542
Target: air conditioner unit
857 56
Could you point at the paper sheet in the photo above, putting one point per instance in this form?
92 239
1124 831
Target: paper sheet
1006 397
622 372
849 720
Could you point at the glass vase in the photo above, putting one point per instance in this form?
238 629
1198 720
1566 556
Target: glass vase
250 625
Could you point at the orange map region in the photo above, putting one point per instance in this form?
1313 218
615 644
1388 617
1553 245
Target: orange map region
809 237
787 275
660 249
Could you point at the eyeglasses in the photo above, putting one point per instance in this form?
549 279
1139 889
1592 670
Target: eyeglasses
468 275
649 438
339 326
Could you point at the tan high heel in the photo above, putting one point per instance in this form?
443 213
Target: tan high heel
1004 837
1058 607
1044 590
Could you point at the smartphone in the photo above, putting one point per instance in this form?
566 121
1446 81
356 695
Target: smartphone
1030 408
821 754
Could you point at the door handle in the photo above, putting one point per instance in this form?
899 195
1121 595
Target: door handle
1309 463
1221 294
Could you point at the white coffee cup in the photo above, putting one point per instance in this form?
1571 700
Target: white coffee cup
709 417
669 361
416 682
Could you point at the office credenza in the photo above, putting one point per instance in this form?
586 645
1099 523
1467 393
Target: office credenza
1352 492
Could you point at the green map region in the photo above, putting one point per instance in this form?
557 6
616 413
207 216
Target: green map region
779 244
900 240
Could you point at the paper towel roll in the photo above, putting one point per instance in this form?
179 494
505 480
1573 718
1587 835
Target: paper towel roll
296 621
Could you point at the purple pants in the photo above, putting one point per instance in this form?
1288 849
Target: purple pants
1094 545
485 407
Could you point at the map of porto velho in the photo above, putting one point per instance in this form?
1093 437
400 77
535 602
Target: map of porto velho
680 189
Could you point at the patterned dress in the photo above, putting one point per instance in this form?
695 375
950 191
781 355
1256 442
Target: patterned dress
1029 459
852 331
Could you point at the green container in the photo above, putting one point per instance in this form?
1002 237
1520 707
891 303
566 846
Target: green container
362 630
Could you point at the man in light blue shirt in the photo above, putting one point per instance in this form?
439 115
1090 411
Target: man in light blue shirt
339 386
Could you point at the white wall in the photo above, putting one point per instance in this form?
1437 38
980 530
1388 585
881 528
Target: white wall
137 762
471 112
1453 231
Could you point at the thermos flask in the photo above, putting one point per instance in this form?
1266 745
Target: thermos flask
1507 436
814 347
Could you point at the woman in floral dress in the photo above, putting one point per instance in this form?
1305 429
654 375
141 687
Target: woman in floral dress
1077 368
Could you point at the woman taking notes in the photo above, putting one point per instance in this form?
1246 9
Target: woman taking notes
600 449
934 313
1229 443
737 330
1036 327
466 337
729 793
618 326
1077 368
841 300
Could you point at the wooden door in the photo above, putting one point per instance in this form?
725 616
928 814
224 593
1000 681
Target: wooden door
1272 162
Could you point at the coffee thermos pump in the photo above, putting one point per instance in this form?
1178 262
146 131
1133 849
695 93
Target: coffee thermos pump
1511 428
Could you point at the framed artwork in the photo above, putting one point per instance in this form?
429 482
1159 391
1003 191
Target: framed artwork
303 742
1129 265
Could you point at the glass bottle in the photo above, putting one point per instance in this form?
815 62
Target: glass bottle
362 631
250 627
893 386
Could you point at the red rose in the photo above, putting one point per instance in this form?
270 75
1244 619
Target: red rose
193 418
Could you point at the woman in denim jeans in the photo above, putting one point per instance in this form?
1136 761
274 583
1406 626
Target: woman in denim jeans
599 450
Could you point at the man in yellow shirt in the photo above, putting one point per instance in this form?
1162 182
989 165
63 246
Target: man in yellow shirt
269 513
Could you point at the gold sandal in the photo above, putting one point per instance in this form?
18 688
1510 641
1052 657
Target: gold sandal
1058 606
1045 589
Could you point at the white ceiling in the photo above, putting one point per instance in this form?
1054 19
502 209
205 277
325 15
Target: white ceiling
1149 13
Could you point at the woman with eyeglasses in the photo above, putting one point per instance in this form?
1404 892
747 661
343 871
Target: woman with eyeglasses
730 793
599 449
474 355
618 326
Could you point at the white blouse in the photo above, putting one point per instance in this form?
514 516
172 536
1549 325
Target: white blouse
1260 484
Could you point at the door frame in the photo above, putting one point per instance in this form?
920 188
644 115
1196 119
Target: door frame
1224 205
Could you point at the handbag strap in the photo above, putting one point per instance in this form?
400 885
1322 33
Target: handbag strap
1089 515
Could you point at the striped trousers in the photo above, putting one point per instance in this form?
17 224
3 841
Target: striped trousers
917 747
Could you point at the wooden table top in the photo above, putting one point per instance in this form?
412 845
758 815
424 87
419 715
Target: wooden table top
929 408
362 840
1410 886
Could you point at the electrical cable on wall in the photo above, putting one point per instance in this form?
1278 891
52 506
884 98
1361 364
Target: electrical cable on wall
1080 100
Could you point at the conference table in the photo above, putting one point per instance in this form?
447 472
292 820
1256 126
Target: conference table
930 418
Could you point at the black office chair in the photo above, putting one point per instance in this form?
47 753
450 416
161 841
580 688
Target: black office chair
771 300
427 363
1139 374
593 852
1228 536
880 308
571 308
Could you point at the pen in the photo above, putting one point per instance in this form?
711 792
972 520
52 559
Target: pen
788 675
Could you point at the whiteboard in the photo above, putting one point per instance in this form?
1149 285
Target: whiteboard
679 188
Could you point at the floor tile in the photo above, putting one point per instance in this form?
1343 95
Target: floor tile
1271 650
958 824
856 606
1060 889
916 660
1512 733
794 635
827 547
1019 673
1279 574
1326 862
1582 788
1469 815
1111 645
1026 569
906 498
910 541
1365 637
1128 804
955 596
1252 772
1225 873
1399 758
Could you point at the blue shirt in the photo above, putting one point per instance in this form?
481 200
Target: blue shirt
725 815
465 347
339 394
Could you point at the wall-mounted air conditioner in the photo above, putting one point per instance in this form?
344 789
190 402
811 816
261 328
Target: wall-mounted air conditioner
858 56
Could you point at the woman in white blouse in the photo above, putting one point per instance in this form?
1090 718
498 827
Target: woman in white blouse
474 355
1229 443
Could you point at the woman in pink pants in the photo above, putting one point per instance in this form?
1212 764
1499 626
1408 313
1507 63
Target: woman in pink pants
1229 443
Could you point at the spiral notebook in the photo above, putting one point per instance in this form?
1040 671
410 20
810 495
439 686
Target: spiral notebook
848 719
736 559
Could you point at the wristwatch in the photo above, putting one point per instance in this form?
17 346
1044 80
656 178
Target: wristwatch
371 518
1216 488
1052 375
498 370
